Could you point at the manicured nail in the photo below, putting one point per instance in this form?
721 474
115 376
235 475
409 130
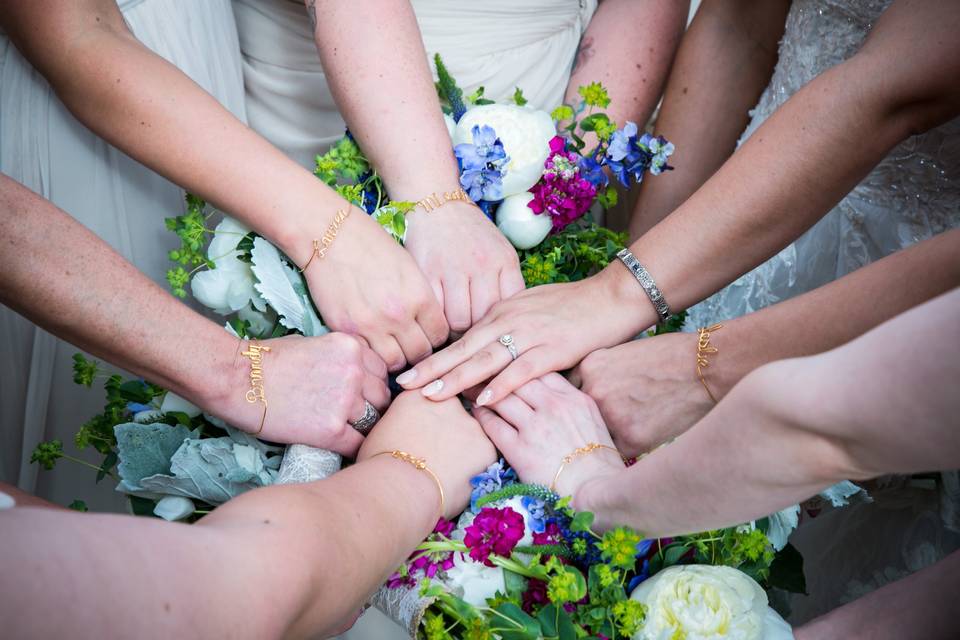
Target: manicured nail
433 388
407 376
484 398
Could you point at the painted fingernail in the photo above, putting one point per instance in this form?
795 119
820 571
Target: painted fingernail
484 398
433 388
407 376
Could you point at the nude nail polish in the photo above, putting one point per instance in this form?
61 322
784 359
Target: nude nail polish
433 388
407 376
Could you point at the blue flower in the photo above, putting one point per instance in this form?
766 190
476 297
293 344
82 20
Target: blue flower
625 155
592 171
481 164
661 149
370 195
496 477
536 509
136 407
642 575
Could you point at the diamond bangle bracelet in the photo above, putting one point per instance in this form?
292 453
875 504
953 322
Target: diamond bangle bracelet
646 281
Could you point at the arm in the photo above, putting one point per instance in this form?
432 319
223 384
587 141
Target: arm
283 561
648 390
762 198
65 279
724 62
150 110
628 47
385 91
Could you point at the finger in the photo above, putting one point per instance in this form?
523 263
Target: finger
515 411
357 408
535 393
503 436
387 347
511 282
373 363
437 286
434 324
346 444
557 382
481 366
443 361
414 342
575 377
484 293
532 364
376 392
456 303
473 392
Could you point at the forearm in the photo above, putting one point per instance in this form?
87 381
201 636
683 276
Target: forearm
71 283
292 561
385 92
724 62
836 313
628 47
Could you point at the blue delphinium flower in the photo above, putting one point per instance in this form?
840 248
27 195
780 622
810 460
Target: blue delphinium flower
592 171
642 575
482 164
660 149
371 196
493 479
536 508
625 156
136 407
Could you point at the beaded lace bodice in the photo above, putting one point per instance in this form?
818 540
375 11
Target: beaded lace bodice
911 195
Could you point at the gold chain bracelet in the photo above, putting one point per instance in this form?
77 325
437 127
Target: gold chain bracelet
436 200
420 464
576 453
703 348
321 245
256 393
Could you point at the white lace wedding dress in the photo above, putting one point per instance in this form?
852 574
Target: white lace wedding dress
913 194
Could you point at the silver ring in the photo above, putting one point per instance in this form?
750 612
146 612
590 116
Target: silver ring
507 341
369 418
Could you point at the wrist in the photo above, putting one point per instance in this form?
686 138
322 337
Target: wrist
595 496
419 488
222 378
628 297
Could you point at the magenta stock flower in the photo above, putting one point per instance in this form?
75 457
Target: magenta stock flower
493 531
562 192
426 563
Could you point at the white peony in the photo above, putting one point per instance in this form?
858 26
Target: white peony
525 134
451 125
173 402
477 580
524 228
228 287
261 322
701 602
172 508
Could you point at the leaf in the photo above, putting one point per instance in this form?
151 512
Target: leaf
556 622
107 465
581 521
591 122
518 98
527 628
786 571
283 289
146 449
78 505
142 506
673 553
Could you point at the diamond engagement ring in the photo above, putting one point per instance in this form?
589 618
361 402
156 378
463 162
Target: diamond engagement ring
507 341
369 418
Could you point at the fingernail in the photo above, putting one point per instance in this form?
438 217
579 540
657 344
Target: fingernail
433 388
484 398
407 376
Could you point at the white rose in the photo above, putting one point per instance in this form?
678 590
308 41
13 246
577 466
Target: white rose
173 402
525 134
523 228
228 287
172 508
261 322
701 602
477 580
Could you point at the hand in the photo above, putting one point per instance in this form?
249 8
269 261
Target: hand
543 421
367 285
444 434
313 387
469 263
553 327
647 390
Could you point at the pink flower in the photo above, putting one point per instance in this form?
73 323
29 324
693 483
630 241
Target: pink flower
550 535
562 192
493 531
426 563
535 596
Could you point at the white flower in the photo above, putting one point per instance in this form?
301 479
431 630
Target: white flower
701 602
261 322
6 501
451 125
477 580
525 134
523 228
173 402
228 287
781 525
172 508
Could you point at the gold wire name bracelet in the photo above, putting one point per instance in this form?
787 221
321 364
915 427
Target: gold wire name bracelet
256 393
322 244
436 200
576 453
420 464
704 348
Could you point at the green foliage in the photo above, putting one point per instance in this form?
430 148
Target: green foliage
191 228
608 197
46 454
786 571
518 98
451 96
619 547
673 324
84 371
563 112
595 95
393 218
575 253
78 505
477 98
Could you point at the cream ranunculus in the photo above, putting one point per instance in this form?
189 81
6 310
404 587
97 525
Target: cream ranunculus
701 602
524 228
525 134
173 508
477 580
228 287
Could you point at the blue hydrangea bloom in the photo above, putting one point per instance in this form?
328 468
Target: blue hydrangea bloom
496 477
536 509
482 164
625 155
